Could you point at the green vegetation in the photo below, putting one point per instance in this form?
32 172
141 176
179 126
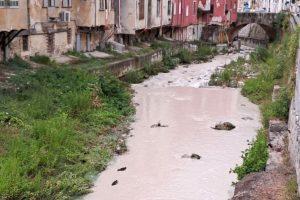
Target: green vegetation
255 157
138 76
292 189
57 131
272 66
43 59
17 63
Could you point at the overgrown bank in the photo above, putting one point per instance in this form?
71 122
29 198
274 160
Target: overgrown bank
171 58
257 76
59 127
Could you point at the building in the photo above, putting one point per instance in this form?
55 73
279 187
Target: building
142 19
94 23
185 26
36 27
262 6
216 18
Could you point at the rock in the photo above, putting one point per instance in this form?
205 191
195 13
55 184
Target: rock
170 81
277 126
122 169
115 183
195 156
224 126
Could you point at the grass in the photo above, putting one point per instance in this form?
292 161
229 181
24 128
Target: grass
56 131
291 192
255 157
43 59
17 63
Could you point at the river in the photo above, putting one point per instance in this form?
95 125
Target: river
155 168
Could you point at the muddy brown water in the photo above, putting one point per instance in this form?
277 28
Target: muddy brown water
155 169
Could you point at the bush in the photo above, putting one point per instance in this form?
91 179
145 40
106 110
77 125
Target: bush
184 56
134 77
255 157
17 62
258 89
43 59
277 109
203 52
260 54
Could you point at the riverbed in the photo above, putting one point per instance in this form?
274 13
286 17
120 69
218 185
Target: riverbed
156 168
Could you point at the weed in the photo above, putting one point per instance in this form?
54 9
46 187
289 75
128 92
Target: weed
255 157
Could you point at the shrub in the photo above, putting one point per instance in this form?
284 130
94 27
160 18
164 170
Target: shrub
43 59
133 77
255 157
260 54
184 56
17 62
277 109
203 52
258 89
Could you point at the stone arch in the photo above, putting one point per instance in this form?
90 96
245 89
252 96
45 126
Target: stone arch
233 31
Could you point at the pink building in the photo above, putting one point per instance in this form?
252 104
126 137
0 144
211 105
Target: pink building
185 25
216 16
220 12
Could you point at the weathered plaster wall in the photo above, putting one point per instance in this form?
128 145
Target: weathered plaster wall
294 124
14 18
120 68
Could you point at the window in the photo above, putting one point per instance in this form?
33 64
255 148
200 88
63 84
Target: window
169 7
49 3
112 4
179 11
67 3
13 3
9 3
195 8
158 8
174 9
103 5
225 9
187 11
2 3
25 43
141 9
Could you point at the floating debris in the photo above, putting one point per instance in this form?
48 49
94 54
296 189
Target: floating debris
193 156
115 183
158 125
122 169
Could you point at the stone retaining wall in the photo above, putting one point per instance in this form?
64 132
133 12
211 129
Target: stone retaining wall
120 68
293 124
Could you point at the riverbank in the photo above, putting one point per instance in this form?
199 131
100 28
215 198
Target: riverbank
59 128
267 79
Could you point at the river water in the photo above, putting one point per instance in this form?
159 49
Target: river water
155 169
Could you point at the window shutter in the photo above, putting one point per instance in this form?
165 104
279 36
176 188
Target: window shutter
56 3
46 3
70 3
142 9
65 3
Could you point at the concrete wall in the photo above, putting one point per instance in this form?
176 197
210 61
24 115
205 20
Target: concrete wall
294 124
14 18
120 68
